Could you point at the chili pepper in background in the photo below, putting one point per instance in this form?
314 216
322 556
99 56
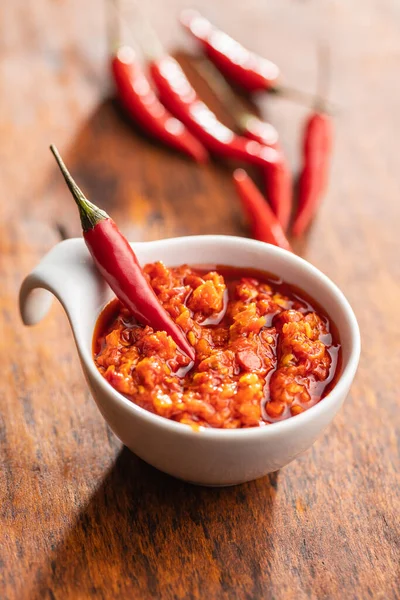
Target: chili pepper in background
265 226
236 62
142 105
119 266
317 149
239 65
278 176
279 188
317 144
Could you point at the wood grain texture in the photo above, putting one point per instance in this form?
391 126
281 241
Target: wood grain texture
82 517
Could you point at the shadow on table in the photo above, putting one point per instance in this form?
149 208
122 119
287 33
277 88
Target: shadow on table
144 534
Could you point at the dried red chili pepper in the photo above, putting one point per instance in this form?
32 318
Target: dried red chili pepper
180 98
317 147
143 106
119 266
236 62
265 226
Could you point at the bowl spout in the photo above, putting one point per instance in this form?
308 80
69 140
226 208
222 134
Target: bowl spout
67 272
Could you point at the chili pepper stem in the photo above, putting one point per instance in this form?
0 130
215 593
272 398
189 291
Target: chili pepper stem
114 26
302 97
324 77
90 214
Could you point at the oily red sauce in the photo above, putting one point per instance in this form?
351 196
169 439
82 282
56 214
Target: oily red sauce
265 350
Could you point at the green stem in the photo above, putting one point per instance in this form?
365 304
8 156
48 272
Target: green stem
90 214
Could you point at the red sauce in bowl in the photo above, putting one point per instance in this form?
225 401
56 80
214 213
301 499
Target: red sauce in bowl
265 351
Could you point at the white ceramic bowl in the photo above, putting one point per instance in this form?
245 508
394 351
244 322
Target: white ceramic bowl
211 456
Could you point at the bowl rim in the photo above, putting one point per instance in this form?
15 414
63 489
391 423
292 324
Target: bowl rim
338 392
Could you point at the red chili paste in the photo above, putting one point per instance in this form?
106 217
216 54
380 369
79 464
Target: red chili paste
264 350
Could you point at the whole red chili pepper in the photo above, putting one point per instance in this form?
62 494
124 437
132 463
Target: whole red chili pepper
143 106
279 188
238 64
317 147
119 266
180 98
265 226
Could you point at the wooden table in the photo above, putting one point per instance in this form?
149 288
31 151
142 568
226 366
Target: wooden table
80 515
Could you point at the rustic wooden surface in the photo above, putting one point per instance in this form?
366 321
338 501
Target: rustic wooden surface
81 516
